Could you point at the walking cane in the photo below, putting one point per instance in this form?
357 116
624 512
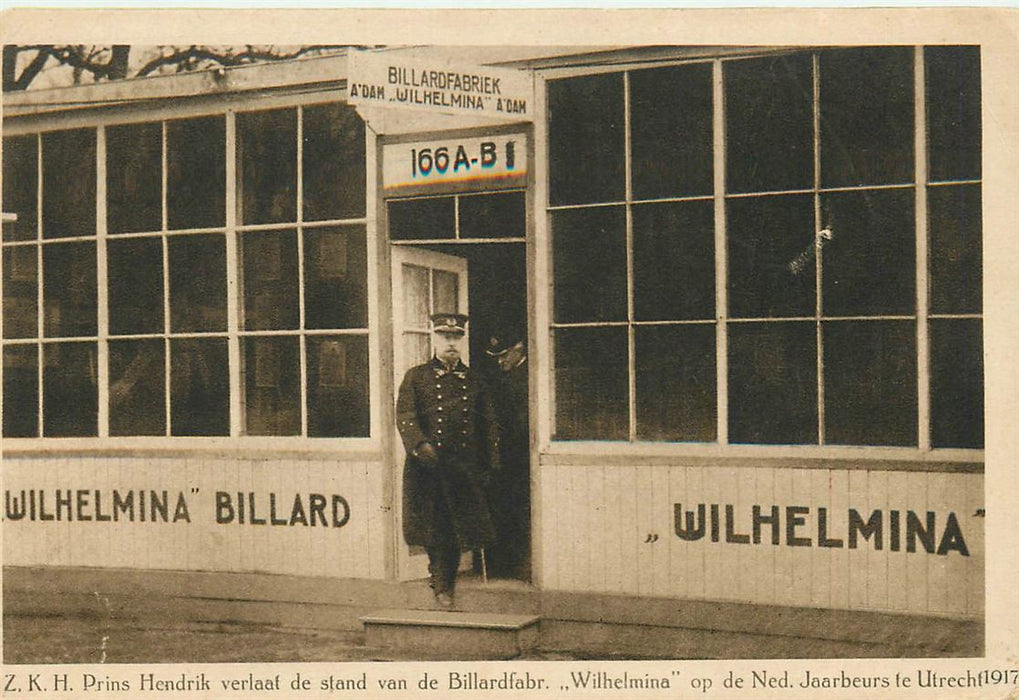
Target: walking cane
484 567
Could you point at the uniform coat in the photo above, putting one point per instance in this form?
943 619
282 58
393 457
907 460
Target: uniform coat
451 410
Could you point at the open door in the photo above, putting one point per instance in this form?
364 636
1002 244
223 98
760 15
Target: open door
424 283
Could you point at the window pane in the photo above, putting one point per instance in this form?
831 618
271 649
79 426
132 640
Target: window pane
773 383
956 248
671 131
135 285
867 116
137 387
585 132
335 277
198 283
270 280
676 383
769 124
334 164
870 262
674 261
337 386
199 387
272 386
501 215
952 77
267 162
589 255
870 382
591 384
134 177
422 219
445 292
21 391
21 290
772 257
196 173
20 187
69 289
415 297
69 183
70 398
957 383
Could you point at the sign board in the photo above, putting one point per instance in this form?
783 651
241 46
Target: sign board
484 162
391 79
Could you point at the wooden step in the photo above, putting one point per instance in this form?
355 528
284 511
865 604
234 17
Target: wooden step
449 635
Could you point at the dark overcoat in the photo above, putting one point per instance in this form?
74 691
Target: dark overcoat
452 410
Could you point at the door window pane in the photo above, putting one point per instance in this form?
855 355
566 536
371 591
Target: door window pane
199 387
957 382
337 386
671 131
70 396
137 387
773 383
134 177
952 77
21 391
676 383
415 296
334 163
135 285
589 256
422 219
956 249
335 277
272 386
267 160
69 289
674 261
196 172
445 292
586 136
21 291
197 283
69 183
499 215
269 260
870 382
20 187
591 385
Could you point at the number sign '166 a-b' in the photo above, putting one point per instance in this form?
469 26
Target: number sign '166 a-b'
486 162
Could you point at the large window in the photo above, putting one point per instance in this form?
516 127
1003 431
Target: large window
758 207
252 322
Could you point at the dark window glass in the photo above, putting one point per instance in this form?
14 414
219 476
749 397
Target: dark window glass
269 261
769 124
272 386
676 383
21 290
773 383
69 183
137 387
334 163
957 382
134 177
135 285
869 265
335 277
21 391
69 289
422 219
199 387
870 382
585 132
589 255
267 161
671 131
70 401
197 283
501 215
21 187
866 116
674 261
196 173
337 386
952 77
591 384
956 248
772 256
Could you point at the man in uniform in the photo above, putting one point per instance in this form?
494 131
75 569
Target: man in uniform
448 427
